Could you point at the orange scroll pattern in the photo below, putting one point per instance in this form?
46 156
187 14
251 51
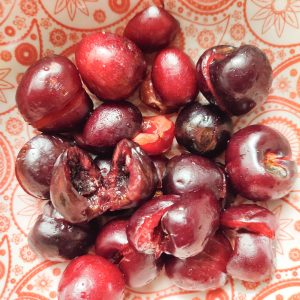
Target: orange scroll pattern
31 29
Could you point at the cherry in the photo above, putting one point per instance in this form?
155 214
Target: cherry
160 163
236 79
252 259
205 271
259 163
108 124
35 162
152 29
174 78
112 243
203 130
250 217
55 239
50 96
91 277
111 66
157 135
187 172
104 165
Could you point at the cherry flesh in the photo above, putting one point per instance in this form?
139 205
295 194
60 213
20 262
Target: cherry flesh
250 217
91 277
110 65
203 130
108 124
160 163
112 243
237 79
55 239
157 135
188 172
104 165
152 29
50 96
259 163
205 271
253 258
35 161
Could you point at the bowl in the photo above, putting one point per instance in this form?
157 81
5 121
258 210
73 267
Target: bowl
31 29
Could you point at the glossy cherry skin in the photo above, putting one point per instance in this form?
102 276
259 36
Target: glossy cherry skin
144 232
157 135
53 238
205 271
160 163
75 185
239 79
250 217
112 243
35 162
50 96
91 277
259 163
188 172
110 123
188 224
203 129
253 258
152 29
110 65
174 78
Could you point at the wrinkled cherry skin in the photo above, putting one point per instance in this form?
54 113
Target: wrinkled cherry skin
152 29
253 258
250 217
35 162
188 172
240 78
50 96
160 163
74 186
259 163
132 178
143 230
112 243
188 224
91 277
55 239
205 271
203 129
110 123
110 65
174 78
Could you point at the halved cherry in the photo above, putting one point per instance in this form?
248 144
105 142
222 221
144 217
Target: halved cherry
252 218
157 135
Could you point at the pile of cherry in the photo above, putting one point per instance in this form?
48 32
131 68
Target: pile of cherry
109 184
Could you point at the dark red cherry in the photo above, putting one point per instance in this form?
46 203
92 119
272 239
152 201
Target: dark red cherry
111 66
53 238
250 217
152 29
35 162
75 186
236 79
112 243
104 165
108 124
203 130
174 78
253 258
259 163
205 271
160 163
91 277
187 173
50 96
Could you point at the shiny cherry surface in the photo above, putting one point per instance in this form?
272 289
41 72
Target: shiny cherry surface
259 163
